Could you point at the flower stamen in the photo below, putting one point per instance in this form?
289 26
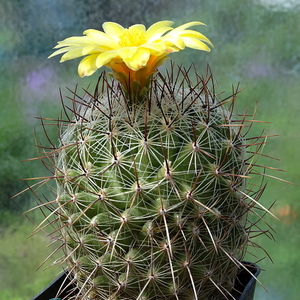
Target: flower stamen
132 38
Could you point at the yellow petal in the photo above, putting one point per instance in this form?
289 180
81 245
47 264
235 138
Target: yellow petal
71 54
127 52
158 26
191 33
157 34
195 34
114 30
195 44
189 24
60 51
176 41
139 60
97 34
137 27
100 37
87 66
106 57
155 48
76 41
89 49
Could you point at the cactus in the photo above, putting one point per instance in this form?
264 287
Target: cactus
153 187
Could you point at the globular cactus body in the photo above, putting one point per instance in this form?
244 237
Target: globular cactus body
151 197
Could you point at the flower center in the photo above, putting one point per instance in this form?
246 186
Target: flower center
132 38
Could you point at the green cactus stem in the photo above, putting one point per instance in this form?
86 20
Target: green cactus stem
152 199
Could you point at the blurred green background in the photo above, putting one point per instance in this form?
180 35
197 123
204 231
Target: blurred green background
256 45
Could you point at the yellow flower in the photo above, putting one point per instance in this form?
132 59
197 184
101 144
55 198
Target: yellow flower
132 53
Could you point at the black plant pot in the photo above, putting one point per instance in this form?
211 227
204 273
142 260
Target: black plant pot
245 286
